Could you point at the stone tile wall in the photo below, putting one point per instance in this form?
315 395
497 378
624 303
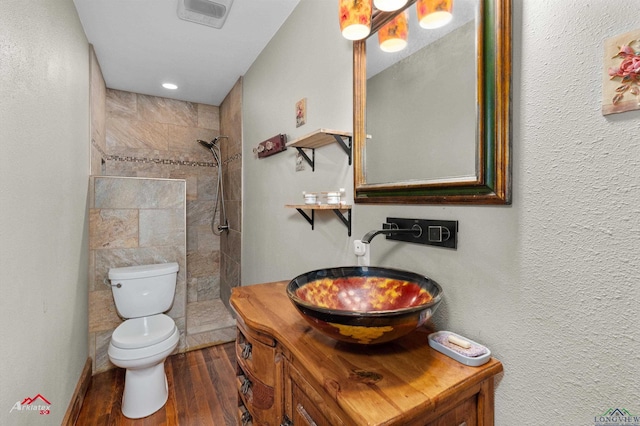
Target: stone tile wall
132 221
98 96
148 136
231 126
137 135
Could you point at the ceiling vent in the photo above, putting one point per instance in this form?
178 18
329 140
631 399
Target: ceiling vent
206 12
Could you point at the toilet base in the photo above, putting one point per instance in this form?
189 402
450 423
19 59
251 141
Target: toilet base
145 391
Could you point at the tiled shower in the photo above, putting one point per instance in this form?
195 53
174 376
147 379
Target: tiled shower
139 137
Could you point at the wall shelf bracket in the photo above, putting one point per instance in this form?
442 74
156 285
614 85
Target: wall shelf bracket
345 142
345 220
312 160
306 216
337 209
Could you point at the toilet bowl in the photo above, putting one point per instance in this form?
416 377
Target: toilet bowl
142 343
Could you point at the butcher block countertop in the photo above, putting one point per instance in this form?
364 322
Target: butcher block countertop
402 382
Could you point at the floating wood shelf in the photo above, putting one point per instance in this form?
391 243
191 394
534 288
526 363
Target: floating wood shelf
336 208
320 138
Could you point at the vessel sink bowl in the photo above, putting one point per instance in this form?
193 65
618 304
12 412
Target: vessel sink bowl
362 304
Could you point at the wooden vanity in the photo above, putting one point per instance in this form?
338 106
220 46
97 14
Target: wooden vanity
290 374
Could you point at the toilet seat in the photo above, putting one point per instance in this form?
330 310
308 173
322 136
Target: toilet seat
130 356
142 332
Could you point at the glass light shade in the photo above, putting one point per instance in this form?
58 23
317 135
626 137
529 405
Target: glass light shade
389 5
355 18
434 13
393 36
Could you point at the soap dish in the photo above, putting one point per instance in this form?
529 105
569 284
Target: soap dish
439 342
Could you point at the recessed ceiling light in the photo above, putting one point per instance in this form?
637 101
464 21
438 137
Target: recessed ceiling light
169 86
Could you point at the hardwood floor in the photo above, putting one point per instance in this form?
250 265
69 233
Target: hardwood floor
202 392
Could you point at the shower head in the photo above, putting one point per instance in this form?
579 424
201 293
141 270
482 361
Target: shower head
206 144
213 143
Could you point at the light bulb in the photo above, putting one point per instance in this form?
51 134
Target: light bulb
389 5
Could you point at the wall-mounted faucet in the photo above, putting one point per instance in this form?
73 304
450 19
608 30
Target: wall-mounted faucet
390 229
439 233
361 247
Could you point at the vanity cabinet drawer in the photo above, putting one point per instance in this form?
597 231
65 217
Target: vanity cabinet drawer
305 412
307 406
244 416
257 398
254 392
256 356
256 377
464 414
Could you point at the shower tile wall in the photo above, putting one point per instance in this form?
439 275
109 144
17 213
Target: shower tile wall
156 137
98 96
231 125
147 136
132 221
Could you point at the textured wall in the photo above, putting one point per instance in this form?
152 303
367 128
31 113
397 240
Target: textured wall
577 201
44 168
550 283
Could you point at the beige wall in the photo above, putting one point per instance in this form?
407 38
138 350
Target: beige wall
549 284
132 221
44 170
278 243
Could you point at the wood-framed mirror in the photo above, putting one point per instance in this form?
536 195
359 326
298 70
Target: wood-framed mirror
488 179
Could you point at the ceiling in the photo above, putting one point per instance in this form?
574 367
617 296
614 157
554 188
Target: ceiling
141 44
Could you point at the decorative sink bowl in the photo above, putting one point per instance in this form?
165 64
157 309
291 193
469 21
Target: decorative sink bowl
363 304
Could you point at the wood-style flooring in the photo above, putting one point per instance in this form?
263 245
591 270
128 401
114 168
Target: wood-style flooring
202 392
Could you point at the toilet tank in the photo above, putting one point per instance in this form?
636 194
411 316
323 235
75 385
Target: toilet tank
143 290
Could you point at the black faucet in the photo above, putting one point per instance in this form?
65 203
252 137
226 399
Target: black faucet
390 229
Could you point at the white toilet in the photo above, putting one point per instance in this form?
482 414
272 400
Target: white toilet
146 337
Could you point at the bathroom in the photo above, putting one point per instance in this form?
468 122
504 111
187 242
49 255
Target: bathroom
527 279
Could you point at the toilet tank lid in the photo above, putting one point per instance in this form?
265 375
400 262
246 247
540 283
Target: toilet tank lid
142 271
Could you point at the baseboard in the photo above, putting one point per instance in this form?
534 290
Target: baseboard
73 410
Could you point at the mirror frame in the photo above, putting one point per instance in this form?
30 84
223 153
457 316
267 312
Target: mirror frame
492 184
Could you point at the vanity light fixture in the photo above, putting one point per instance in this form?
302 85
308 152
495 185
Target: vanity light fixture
389 5
355 18
169 86
434 13
393 36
